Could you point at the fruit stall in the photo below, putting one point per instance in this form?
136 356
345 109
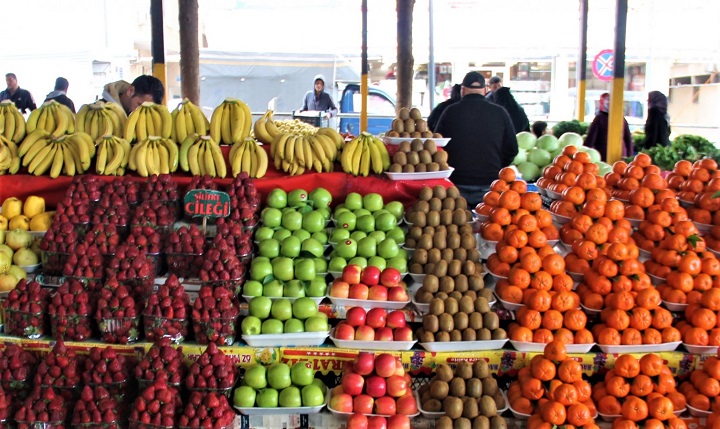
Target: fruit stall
171 270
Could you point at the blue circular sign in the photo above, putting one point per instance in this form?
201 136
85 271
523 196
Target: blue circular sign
603 65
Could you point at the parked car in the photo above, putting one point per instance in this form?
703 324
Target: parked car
381 110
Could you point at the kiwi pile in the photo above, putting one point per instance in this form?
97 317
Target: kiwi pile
417 156
409 123
470 397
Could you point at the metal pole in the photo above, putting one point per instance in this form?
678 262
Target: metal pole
616 120
581 68
158 42
431 58
364 71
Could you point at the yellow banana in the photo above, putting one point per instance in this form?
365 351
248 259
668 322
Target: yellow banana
141 158
208 160
116 111
308 153
216 124
247 120
9 124
261 133
81 116
102 156
290 150
126 150
277 147
36 148
57 163
199 120
20 127
153 122
183 151
32 120
226 124
117 158
72 148
236 158
165 120
328 146
172 149
237 120
164 158
30 140
40 158
218 160
365 160
180 132
154 158
270 126
131 124
201 157
262 158
347 156
300 151
193 159
247 155
68 160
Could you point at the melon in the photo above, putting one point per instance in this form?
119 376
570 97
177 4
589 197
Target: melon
548 142
520 157
539 157
604 168
594 154
571 138
529 171
526 140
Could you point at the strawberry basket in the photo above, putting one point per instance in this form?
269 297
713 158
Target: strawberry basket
91 284
19 424
22 324
233 285
53 262
120 329
186 265
162 327
141 287
73 327
220 331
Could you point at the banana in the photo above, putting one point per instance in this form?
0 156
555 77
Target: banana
5 158
9 124
226 124
75 157
199 121
193 164
81 117
58 160
277 147
40 158
347 155
216 124
270 126
208 159
201 157
126 150
335 137
237 120
102 156
172 149
247 119
253 160
68 160
141 158
261 133
300 151
308 154
153 158
20 127
236 158
320 160
116 110
32 120
179 129
117 158
132 123
166 120
154 122
114 121
183 152
61 123
36 148
357 156
31 139
218 160
328 146
132 162
290 148
245 162
365 160
164 157
376 162
262 158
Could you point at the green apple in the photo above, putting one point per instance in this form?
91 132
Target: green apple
338 235
320 197
291 220
402 253
281 234
396 208
353 201
290 247
337 264
301 234
263 233
313 221
302 373
260 307
346 220
281 309
362 212
294 326
278 376
385 222
277 198
367 247
251 325
313 247
346 249
379 212
293 289
259 269
305 269
388 248
297 198
312 396
244 397
269 248
399 263
321 265
377 261
340 209
316 324
358 235
271 217
377 235
365 223
325 211
290 397
321 237
320 385
259 259
283 268
267 398
273 289
396 234
256 377
253 288
373 202
272 327
303 308
316 288
358 260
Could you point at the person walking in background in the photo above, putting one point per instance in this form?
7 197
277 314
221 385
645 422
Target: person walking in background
482 139
501 96
59 94
131 95
21 97
318 100
540 128
657 126
432 120
597 136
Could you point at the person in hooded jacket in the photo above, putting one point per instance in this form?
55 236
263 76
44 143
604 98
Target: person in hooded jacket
597 135
432 120
657 126
131 95
501 95
59 94
318 100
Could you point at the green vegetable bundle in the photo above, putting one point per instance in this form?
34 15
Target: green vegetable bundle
689 147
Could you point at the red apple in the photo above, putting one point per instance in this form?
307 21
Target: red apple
337 390
384 334
385 365
403 334
357 421
376 318
407 405
343 331
396 319
352 385
376 386
359 291
377 422
364 363
364 333
339 289
342 403
398 294
370 275
385 405
363 404
378 293
352 273
408 379
398 421
390 277
355 316
399 368
396 386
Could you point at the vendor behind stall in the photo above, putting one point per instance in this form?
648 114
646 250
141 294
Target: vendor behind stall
131 95
318 100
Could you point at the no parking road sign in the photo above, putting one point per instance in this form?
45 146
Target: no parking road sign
603 65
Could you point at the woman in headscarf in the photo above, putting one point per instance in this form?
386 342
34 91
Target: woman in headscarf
597 135
657 126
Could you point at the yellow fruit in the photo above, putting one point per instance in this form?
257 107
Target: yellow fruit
42 221
20 222
8 282
34 205
3 223
17 272
11 207
25 257
5 263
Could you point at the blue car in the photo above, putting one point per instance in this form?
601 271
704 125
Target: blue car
381 110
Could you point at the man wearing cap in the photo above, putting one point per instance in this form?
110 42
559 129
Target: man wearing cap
319 100
501 96
482 139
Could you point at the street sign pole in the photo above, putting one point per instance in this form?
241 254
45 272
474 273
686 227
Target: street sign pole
616 120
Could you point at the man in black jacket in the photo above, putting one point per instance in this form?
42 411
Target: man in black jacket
59 94
482 139
501 96
21 97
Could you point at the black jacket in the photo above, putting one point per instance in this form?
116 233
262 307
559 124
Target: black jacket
22 98
482 140
597 136
504 98
62 99
434 117
657 129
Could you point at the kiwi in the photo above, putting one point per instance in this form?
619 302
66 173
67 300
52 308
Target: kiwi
473 387
451 306
486 405
425 241
421 125
430 283
437 307
460 254
461 321
409 126
465 229
448 204
481 422
491 321
444 372
416 134
441 295
441 268
498 422
425 193
441 157
464 370
424 392
442 337
430 146
415 231
444 422
461 203
433 256
466 305
447 284
459 217
476 282
461 283
415 114
405 134
430 230
413 158
455 295
475 320
420 255
433 218
499 334
455 335
452 229
468 268
447 255
404 146
432 405
481 369
426 134
433 166
400 158
392 133
421 168
408 168
481 305
431 323
470 294
453 239
446 322
439 192
462 423
430 266
418 218
439 389
454 268
404 113
467 241
421 206
435 204
416 145
468 334
446 217
427 337
398 125
423 297
425 157
484 334
490 387
499 400
470 408
395 168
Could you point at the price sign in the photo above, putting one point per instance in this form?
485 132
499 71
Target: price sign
206 203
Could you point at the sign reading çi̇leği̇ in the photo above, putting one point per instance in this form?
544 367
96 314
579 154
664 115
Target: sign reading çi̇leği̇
207 203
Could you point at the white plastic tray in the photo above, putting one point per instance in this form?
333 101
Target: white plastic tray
674 306
577 277
464 346
634 222
418 278
30 268
372 345
335 274
422 308
510 305
522 346
560 219
714 252
395 141
317 299
608 417
589 310
703 227
286 340
252 411
444 174
686 203
644 253
701 350
495 276
643 348
366 303
518 415
340 413
552 194
656 280
698 413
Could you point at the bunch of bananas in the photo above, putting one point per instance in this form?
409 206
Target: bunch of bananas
201 155
9 159
188 119
335 136
154 156
148 120
231 122
113 154
363 154
295 154
12 122
295 126
53 117
71 153
264 129
100 119
249 157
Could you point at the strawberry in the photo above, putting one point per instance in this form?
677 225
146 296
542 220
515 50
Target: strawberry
166 312
43 405
145 237
61 358
184 248
117 314
154 213
105 237
160 188
86 263
162 361
214 316
70 312
222 267
106 368
207 410
16 367
204 373
157 405
97 405
133 268
25 309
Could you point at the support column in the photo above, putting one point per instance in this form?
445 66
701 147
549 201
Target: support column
616 120
364 72
404 53
158 42
581 66
189 50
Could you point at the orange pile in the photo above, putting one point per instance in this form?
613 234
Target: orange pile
626 179
669 254
701 326
658 223
695 181
552 389
703 388
642 393
565 169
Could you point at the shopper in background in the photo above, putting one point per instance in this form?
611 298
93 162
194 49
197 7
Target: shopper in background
59 94
21 97
482 139
501 95
437 111
318 100
540 128
657 126
597 136
131 95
